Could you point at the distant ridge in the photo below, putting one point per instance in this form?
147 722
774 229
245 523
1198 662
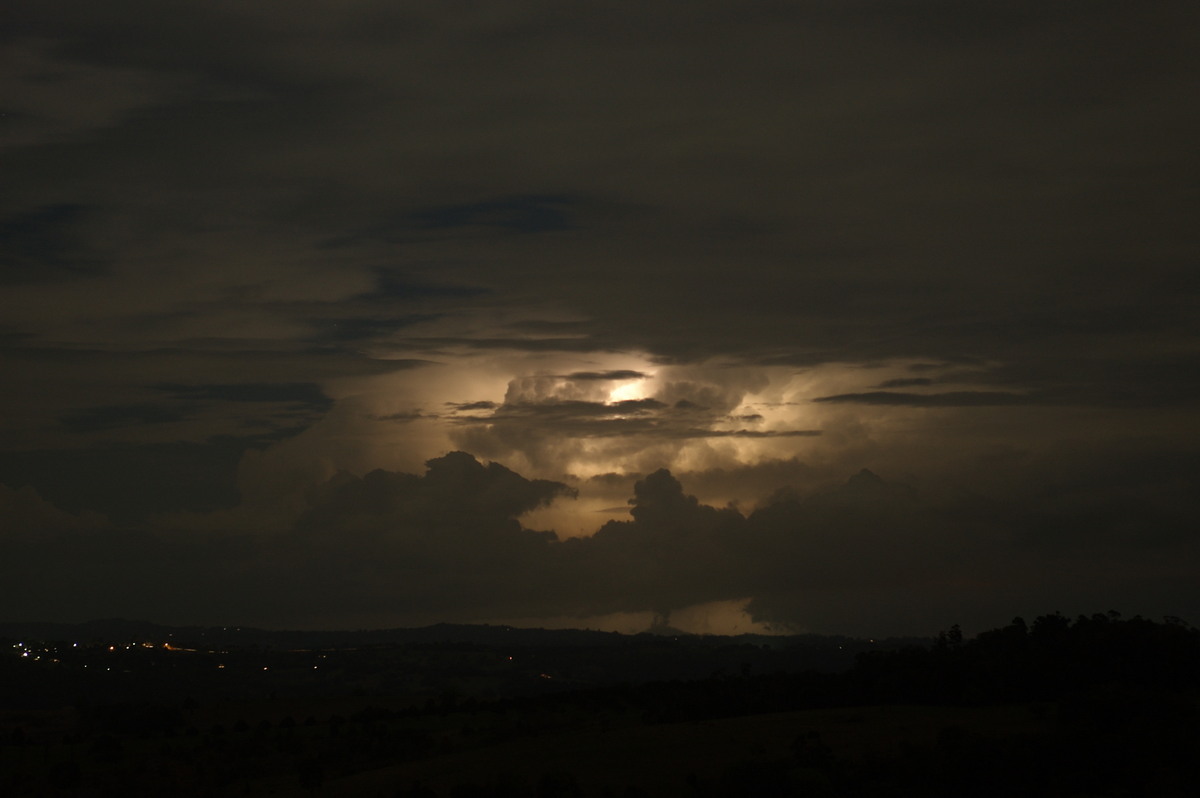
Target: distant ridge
478 634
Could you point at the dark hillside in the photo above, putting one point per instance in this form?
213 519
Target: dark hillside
1097 705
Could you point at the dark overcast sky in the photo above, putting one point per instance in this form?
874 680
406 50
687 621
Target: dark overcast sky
365 313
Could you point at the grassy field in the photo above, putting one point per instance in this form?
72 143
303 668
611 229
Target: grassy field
659 759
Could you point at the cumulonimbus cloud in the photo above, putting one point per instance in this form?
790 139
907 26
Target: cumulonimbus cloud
449 544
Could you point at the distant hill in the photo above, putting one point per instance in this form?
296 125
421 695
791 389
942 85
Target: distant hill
828 652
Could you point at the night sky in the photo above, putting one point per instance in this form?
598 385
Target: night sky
848 316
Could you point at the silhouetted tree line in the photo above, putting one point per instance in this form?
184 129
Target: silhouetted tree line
1120 697
1051 659
1054 659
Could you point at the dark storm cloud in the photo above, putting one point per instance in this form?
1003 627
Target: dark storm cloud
573 418
551 329
93 419
947 399
411 415
1134 503
446 541
130 482
443 542
613 478
906 382
45 245
350 330
750 433
302 393
501 216
812 143
982 209
1097 379
617 374
447 544
222 355
760 483
584 419
392 283
868 548
280 407
867 534
579 408
529 214
441 344
457 491
468 406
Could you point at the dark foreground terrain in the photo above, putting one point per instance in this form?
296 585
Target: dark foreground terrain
1096 706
